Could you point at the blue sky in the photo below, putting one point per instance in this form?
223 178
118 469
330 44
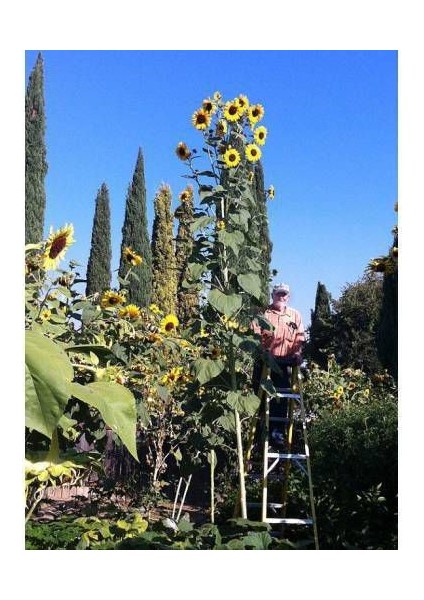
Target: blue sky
331 150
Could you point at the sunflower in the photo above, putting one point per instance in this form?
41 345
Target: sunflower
232 110
260 134
132 257
209 106
186 194
45 314
110 299
231 157
182 151
221 128
255 113
243 103
201 119
253 152
169 324
220 225
56 245
340 389
154 308
217 96
172 376
130 312
271 192
351 386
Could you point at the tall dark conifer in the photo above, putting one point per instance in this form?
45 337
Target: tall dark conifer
321 328
135 236
35 155
387 333
98 269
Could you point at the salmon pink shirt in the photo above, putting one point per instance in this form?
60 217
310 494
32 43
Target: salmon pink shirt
288 336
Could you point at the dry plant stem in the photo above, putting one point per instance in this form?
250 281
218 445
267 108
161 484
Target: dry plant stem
212 462
184 496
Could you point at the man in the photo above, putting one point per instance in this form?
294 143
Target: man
284 343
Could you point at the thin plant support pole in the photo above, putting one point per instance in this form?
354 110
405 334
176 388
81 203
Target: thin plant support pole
184 495
212 463
243 504
177 493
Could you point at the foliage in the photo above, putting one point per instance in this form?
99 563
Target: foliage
135 236
320 330
387 332
187 301
355 321
235 534
35 154
133 532
52 381
59 535
263 238
164 282
353 441
98 269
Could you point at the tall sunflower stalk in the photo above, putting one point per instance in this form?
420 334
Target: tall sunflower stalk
225 264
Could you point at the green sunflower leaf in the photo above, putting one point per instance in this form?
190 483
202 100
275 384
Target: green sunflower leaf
251 284
226 304
116 404
206 369
233 239
246 404
48 376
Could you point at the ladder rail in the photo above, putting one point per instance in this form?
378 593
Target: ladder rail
293 395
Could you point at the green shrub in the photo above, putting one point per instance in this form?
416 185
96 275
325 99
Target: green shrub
354 467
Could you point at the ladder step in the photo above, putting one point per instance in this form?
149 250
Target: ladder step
287 395
287 456
290 521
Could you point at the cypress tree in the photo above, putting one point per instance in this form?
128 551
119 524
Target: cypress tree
98 269
321 328
387 333
35 155
135 236
187 301
164 280
262 232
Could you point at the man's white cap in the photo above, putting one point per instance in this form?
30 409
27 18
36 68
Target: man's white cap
280 287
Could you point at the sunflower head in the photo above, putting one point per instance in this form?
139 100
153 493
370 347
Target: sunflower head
232 110
56 245
220 225
231 157
217 96
110 299
182 151
45 314
131 257
187 194
260 134
201 119
154 308
221 128
243 103
253 153
169 324
255 113
209 106
271 192
131 311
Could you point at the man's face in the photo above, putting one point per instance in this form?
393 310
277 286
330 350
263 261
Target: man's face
280 299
